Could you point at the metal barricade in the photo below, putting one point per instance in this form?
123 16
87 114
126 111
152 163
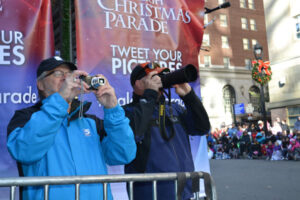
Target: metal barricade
46 181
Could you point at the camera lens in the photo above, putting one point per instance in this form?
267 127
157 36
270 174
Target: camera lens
187 74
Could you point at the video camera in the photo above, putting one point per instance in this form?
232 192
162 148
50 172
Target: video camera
93 81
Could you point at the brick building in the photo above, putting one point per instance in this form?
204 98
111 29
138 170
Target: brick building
225 60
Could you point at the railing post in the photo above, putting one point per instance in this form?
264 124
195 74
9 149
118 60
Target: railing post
12 192
154 190
130 190
105 191
176 189
46 192
77 191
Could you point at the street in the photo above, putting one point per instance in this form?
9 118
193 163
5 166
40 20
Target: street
244 179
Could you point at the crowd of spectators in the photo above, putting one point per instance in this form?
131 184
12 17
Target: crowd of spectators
248 140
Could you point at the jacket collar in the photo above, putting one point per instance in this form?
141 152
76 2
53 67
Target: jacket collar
75 108
136 98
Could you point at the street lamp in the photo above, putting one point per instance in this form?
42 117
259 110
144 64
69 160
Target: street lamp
258 51
258 54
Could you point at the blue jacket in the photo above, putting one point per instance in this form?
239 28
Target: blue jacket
163 143
47 141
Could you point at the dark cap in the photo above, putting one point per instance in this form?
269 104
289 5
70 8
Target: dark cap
143 69
52 63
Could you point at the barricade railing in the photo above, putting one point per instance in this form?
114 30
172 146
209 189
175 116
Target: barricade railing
46 181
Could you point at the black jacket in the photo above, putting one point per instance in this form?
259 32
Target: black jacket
163 142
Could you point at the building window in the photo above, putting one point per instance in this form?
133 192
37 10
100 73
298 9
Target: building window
205 41
251 4
223 20
226 61
207 61
252 25
254 96
293 114
243 3
225 43
298 26
244 23
248 64
246 44
254 42
228 99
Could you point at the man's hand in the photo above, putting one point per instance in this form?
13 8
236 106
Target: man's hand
182 89
106 94
72 85
152 81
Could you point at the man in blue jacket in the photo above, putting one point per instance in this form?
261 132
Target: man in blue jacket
161 131
56 137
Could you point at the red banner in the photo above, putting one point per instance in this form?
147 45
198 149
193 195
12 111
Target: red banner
114 35
26 37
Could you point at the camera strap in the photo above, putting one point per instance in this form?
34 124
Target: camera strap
81 100
162 118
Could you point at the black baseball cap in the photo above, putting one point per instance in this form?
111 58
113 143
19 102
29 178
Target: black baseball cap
143 69
51 63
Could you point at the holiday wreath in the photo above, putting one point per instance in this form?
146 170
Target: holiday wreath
261 71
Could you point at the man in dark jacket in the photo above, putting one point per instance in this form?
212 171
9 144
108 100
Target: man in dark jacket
161 131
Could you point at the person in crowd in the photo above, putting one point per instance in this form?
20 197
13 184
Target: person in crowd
252 128
292 134
284 147
225 144
297 125
255 150
56 137
233 148
210 152
260 137
245 143
279 136
240 131
211 147
278 120
285 128
232 130
294 149
210 138
260 126
216 133
269 149
219 150
161 130
276 128
298 137
277 154
270 136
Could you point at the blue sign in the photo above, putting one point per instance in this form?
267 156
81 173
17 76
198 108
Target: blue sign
239 108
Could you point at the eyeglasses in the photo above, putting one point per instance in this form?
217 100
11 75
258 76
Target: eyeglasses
58 74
